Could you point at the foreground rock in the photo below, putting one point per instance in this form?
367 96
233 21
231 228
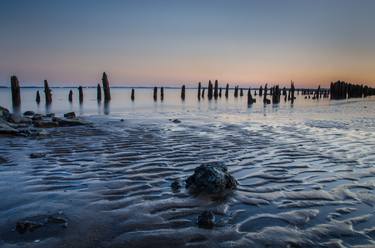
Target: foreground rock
37 155
211 178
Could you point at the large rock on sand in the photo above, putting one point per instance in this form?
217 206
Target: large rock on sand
211 178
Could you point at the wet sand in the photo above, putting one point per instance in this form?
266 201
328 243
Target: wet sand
303 182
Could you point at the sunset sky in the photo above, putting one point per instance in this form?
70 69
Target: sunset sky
173 42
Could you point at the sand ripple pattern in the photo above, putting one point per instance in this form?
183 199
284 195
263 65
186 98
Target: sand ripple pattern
302 184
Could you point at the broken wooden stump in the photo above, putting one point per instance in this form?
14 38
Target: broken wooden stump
80 93
16 92
250 99
183 93
132 95
199 90
106 89
210 90
161 93
216 90
227 91
155 94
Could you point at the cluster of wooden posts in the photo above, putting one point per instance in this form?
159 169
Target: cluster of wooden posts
338 90
343 90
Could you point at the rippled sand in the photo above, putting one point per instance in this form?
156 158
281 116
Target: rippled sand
303 182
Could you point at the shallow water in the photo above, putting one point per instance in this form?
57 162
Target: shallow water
306 173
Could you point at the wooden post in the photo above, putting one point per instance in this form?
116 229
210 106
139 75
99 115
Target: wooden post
199 90
132 95
47 92
216 93
250 99
99 93
16 92
70 97
292 91
260 90
155 94
183 93
106 89
220 89
209 93
227 91
37 98
241 92
80 91
203 93
161 93
236 91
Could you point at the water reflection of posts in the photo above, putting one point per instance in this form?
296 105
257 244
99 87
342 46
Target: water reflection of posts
37 98
107 107
70 97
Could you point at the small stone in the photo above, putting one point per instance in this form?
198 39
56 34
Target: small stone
122 120
46 124
27 226
29 113
64 122
176 121
37 155
206 220
70 115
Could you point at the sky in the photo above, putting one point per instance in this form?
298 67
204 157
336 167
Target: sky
170 42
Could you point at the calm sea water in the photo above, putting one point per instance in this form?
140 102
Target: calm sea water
306 172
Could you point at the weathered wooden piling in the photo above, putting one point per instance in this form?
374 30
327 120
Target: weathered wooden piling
132 96
210 90
241 92
106 89
80 94
98 93
161 93
235 91
199 90
250 99
155 93
227 91
265 99
220 89
183 93
276 95
16 92
37 98
203 92
70 96
216 89
260 90
292 89
47 92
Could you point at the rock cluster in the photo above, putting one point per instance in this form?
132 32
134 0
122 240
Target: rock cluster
29 123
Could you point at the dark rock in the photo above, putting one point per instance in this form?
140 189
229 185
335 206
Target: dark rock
56 219
70 115
176 186
46 124
15 118
4 113
37 155
29 113
64 122
50 115
176 121
122 120
3 160
211 178
6 129
27 226
37 117
206 220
